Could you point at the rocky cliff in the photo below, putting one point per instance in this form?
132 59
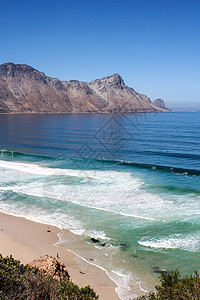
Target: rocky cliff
160 103
49 265
23 89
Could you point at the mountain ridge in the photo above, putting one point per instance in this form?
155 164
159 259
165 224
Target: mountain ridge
24 89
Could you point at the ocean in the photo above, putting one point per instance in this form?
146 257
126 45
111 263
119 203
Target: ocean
130 182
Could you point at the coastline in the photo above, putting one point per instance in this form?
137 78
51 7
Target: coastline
87 113
26 240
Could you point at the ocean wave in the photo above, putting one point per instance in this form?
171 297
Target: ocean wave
124 282
70 198
153 167
10 153
37 169
175 241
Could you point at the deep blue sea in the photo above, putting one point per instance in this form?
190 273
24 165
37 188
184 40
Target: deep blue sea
130 181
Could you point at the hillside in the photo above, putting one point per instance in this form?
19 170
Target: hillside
23 89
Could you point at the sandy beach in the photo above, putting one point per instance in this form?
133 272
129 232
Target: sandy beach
26 240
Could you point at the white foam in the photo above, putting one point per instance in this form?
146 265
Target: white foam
56 218
111 191
128 287
118 273
176 241
65 193
39 170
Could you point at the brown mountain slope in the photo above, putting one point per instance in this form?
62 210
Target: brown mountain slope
26 90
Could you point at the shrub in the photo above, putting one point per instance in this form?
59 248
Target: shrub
173 287
18 281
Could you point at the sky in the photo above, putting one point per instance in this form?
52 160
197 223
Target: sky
154 45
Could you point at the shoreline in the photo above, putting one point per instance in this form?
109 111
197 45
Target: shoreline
88 113
26 240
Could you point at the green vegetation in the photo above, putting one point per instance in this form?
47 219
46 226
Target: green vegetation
173 287
18 281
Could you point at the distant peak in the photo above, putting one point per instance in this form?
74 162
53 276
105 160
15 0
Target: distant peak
115 76
11 65
21 70
8 64
114 80
160 103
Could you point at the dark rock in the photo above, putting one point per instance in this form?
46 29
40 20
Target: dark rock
48 230
103 244
95 240
134 255
123 245
160 271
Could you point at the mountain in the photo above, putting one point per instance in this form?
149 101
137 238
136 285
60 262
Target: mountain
23 89
160 103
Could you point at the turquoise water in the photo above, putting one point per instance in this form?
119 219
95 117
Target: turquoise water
130 181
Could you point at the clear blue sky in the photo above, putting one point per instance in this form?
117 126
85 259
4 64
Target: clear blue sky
154 45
